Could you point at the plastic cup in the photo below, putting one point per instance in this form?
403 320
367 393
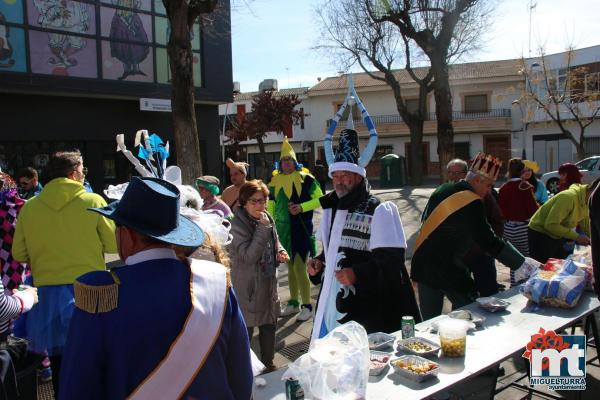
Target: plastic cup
453 337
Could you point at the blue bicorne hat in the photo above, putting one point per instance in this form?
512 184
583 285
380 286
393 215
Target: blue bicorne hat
150 206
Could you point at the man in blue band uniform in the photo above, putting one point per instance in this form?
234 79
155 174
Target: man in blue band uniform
138 331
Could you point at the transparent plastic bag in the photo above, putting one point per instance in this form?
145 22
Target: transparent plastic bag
558 284
336 367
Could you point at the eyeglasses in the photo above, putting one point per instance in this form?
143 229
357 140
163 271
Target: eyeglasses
84 170
23 183
257 201
456 172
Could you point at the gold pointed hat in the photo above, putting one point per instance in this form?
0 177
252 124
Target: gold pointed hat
486 165
287 150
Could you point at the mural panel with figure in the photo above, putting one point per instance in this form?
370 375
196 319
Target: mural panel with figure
12 11
127 55
62 54
134 4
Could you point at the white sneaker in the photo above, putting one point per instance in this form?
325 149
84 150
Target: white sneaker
304 315
288 310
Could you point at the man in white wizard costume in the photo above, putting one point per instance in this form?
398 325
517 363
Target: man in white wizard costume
361 269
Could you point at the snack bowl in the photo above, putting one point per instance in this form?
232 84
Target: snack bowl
379 362
380 340
415 368
419 346
468 315
492 304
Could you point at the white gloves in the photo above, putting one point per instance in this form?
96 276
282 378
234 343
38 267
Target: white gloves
28 297
527 269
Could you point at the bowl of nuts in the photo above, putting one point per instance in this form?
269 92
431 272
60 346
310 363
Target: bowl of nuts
418 346
415 368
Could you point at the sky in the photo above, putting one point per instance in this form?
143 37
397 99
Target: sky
274 39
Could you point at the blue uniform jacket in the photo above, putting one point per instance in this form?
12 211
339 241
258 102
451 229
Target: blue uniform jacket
107 355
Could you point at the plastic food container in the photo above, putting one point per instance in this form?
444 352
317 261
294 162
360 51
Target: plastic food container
379 362
467 315
415 368
492 304
419 346
380 341
453 336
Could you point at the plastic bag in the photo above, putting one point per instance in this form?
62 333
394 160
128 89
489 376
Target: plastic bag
336 367
558 284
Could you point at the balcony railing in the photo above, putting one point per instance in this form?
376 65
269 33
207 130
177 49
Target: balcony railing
456 116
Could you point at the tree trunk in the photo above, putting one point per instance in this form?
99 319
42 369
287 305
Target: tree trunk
185 131
443 111
263 172
416 152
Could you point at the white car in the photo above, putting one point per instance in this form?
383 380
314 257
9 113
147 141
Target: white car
589 168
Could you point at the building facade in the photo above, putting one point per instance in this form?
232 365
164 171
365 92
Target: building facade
487 116
73 74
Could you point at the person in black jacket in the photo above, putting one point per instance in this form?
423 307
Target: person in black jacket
361 269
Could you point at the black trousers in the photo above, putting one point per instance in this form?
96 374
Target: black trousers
266 339
483 268
542 247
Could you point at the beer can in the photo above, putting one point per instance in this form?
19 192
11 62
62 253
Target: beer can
293 390
408 327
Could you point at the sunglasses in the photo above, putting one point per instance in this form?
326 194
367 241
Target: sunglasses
23 183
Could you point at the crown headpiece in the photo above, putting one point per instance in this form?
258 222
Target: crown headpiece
486 165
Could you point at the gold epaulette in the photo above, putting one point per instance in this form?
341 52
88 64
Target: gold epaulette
97 299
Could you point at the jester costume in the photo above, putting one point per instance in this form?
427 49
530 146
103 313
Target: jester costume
295 231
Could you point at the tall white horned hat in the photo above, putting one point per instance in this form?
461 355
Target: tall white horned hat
347 157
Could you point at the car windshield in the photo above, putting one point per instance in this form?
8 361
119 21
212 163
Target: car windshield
588 164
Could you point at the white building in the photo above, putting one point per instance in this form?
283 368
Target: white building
488 116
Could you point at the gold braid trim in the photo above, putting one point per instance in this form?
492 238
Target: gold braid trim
97 299
228 277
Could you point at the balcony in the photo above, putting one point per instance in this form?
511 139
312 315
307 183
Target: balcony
456 116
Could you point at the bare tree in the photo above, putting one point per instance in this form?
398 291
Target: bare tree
567 94
270 113
444 30
182 15
350 34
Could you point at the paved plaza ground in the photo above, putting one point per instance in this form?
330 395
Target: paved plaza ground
411 201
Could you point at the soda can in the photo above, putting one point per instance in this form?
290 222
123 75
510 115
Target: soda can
293 390
408 327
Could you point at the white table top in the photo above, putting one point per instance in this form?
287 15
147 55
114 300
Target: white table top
503 334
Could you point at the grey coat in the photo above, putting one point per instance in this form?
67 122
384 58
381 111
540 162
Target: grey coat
255 286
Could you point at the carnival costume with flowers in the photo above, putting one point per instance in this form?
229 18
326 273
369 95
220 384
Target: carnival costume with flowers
359 231
131 338
295 231
10 205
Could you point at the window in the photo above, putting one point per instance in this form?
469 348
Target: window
462 150
476 103
592 83
588 164
355 112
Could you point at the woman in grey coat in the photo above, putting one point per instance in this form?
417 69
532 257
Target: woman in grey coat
255 253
